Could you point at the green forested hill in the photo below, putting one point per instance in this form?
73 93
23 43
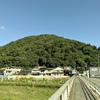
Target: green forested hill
48 50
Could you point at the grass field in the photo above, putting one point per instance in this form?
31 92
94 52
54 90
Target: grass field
25 89
25 93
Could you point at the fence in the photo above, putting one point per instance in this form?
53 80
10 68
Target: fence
38 77
63 92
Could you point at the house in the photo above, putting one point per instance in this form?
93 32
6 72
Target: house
54 71
68 70
38 70
58 71
12 70
48 71
2 71
35 71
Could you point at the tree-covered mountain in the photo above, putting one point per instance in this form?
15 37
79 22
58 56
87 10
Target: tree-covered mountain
48 50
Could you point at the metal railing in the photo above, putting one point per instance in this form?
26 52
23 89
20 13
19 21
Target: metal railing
64 91
93 85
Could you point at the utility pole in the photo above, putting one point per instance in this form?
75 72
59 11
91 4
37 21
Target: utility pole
86 68
74 69
98 65
75 66
98 61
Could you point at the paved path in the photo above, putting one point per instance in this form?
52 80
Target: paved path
77 93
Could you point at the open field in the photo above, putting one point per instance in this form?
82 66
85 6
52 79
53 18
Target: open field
25 93
28 89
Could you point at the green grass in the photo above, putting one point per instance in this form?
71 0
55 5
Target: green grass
24 89
25 93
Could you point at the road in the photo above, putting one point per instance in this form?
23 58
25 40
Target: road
95 82
80 91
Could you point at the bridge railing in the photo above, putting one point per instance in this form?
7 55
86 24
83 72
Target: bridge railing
93 85
63 92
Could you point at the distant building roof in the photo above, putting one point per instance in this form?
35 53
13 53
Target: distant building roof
16 67
68 68
50 68
25 72
58 69
40 67
2 68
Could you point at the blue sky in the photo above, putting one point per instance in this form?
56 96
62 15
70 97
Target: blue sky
73 19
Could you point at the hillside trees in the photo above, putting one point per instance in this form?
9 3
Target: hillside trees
48 50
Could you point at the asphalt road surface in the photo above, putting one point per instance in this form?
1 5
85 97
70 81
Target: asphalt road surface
80 91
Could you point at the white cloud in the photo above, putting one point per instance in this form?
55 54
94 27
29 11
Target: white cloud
2 27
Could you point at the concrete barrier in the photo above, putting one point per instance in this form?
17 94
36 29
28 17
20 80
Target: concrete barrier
64 91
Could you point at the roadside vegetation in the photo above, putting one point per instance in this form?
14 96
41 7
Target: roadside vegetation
29 89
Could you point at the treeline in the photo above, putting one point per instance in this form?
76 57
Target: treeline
48 50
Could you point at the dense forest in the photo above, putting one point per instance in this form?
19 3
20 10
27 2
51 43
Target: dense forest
49 50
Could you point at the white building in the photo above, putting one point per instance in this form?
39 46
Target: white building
35 71
12 70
